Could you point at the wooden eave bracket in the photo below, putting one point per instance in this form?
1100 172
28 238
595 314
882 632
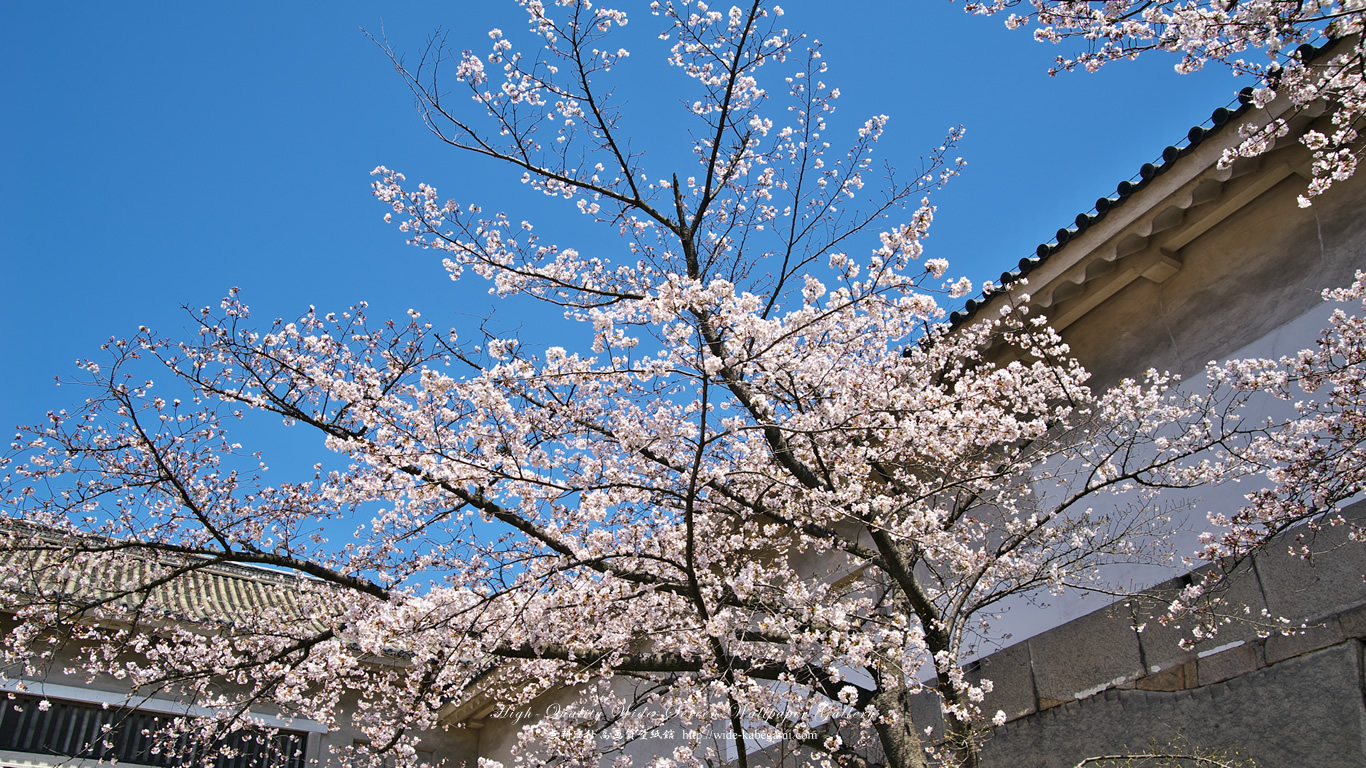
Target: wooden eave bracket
1154 264
1165 264
1160 256
1235 195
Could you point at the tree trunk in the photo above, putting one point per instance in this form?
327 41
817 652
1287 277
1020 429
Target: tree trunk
900 742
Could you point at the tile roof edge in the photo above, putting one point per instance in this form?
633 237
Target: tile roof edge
244 571
1126 189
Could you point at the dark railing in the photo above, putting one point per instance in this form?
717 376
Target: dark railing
90 731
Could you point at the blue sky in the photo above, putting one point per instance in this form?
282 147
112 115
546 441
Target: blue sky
160 153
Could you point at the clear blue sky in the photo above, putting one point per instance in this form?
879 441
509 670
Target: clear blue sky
158 153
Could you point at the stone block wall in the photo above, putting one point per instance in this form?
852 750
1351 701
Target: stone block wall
1117 680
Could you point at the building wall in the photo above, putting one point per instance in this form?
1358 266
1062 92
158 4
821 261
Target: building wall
1087 682
1082 680
1240 282
63 680
1116 679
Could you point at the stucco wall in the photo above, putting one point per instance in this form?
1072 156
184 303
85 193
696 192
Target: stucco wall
1255 271
1250 286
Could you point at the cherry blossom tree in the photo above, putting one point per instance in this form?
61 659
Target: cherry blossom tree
1309 53
1315 460
773 490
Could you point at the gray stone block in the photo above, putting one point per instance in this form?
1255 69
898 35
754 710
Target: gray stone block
926 712
1012 679
1160 643
1243 659
1238 604
1353 621
1328 583
1085 656
1235 611
1177 678
1301 641
1306 711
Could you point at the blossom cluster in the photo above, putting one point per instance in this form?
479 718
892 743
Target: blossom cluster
773 492
1283 33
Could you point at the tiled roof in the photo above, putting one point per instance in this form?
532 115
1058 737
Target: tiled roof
62 572
1124 191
